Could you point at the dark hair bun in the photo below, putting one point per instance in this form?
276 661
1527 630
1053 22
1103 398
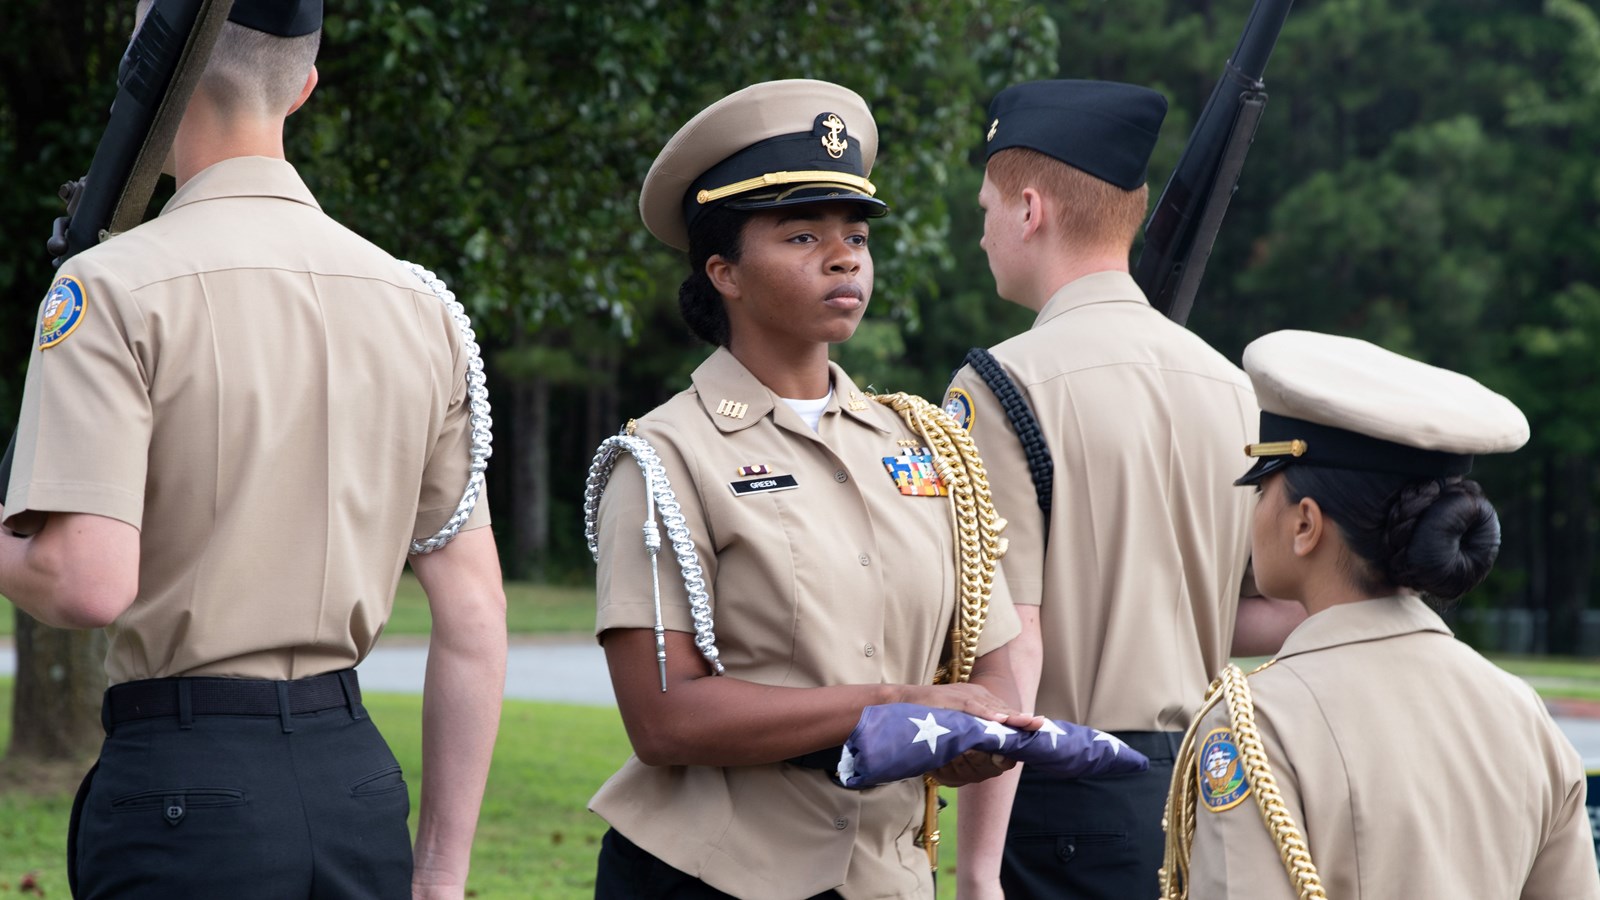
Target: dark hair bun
702 309
1442 537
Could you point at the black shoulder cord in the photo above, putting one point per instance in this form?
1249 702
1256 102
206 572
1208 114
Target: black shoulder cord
1040 465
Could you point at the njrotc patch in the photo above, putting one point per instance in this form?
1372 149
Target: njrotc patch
915 475
958 404
63 310
1220 772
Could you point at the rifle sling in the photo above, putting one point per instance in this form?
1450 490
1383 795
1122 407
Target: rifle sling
141 184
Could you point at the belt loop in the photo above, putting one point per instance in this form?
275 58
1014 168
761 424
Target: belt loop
352 693
185 705
283 707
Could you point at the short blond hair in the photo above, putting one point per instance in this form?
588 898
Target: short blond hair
252 73
1090 212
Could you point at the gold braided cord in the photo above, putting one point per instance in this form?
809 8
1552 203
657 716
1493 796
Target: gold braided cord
978 551
1232 686
1179 818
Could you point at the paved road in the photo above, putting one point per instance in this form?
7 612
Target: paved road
566 670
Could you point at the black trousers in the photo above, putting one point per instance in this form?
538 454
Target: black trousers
286 805
1083 838
627 871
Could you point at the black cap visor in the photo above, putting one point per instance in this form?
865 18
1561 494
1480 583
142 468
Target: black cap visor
1285 440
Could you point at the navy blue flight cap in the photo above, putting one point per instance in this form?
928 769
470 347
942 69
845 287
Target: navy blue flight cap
284 18
1105 128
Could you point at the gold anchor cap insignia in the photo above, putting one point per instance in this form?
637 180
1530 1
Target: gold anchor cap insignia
732 409
993 127
834 141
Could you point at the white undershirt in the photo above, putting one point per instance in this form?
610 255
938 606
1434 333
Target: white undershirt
810 411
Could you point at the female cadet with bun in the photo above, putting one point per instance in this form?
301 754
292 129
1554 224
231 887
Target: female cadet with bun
1376 756
824 546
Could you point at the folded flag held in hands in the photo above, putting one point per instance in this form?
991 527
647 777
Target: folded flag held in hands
903 740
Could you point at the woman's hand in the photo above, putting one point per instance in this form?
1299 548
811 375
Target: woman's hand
972 698
971 767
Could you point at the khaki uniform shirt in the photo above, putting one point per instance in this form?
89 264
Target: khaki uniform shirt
841 580
1138 586
277 406
1414 767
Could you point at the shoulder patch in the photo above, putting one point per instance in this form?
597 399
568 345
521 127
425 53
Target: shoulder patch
958 403
1219 772
63 311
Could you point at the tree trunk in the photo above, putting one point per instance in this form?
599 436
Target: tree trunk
55 711
1569 549
530 504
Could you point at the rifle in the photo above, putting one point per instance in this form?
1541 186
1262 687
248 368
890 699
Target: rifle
1179 234
155 80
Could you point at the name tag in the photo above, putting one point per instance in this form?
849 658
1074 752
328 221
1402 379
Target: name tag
763 485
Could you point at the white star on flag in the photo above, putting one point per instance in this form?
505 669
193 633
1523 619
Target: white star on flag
999 731
1051 728
928 730
1116 742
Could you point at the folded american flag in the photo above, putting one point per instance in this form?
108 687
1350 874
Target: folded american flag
903 740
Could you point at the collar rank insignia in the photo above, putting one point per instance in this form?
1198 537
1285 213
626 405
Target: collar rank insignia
763 485
747 471
858 401
732 409
958 403
1219 772
62 312
915 475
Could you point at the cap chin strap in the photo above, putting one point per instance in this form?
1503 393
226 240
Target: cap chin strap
773 179
477 417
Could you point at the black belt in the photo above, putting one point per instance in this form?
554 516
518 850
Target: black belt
160 697
1159 746
826 759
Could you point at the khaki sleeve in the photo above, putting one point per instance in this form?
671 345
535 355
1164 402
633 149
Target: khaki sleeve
1565 866
1010 484
625 574
84 433
1234 854
449 465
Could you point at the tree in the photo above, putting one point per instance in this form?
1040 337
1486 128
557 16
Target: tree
56 80
534 128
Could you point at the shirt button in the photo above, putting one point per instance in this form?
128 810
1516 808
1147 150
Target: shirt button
864 560
840 476
841 823
869 650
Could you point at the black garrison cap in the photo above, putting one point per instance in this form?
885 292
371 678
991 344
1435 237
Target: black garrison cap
284 18
1104 128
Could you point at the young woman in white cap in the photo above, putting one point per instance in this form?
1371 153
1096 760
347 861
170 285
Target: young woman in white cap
1376 756
824 546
